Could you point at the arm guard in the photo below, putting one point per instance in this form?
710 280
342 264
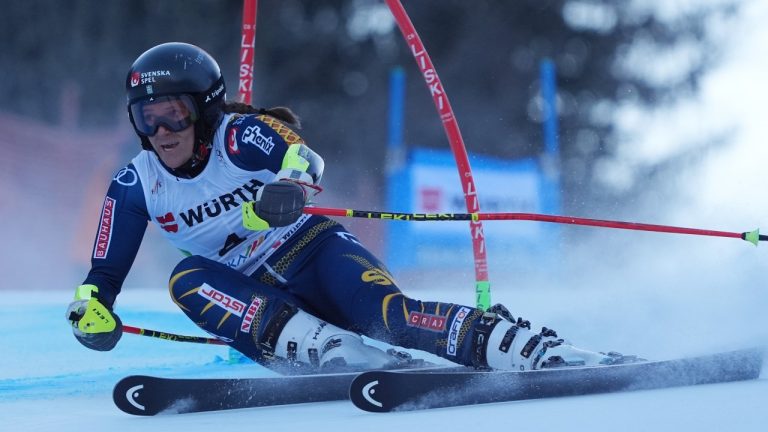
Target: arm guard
303 166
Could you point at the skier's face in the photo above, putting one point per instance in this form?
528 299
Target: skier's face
173 148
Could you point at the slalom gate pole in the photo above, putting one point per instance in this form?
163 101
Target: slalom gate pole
247 56
171 336
451 126
751 236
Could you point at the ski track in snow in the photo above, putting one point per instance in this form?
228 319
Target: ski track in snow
50 383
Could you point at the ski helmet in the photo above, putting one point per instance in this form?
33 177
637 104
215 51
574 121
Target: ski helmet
180 70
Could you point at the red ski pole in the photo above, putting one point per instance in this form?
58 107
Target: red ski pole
751 236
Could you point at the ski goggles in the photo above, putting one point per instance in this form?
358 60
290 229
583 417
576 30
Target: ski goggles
175 113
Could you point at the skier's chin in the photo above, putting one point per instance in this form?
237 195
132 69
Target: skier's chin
173 161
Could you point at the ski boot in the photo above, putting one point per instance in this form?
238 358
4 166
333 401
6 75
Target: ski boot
309 341
510 344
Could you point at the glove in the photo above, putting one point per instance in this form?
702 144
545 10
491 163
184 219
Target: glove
93 324
277 204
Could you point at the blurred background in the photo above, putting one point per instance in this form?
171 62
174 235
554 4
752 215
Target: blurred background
659 119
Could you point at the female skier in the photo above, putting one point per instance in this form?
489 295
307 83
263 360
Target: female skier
226 183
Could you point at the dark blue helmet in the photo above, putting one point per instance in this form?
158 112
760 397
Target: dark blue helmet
180 70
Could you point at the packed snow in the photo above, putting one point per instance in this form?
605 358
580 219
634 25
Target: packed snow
50 383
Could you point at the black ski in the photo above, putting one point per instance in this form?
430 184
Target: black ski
384 391
146 395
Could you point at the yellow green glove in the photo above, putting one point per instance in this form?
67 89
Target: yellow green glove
93 324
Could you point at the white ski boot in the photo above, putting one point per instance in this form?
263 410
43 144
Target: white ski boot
511 345
308 340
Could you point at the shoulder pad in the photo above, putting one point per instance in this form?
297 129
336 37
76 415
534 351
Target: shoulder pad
284 131
257 142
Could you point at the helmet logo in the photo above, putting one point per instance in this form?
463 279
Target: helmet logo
147 77
214 93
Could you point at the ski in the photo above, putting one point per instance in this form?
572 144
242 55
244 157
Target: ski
410 389
147 395
384 391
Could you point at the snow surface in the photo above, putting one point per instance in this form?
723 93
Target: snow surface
48 382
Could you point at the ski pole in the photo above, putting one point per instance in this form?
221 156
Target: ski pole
451 127
751 236
171 336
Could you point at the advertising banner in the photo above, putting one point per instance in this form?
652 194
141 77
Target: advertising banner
427 183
